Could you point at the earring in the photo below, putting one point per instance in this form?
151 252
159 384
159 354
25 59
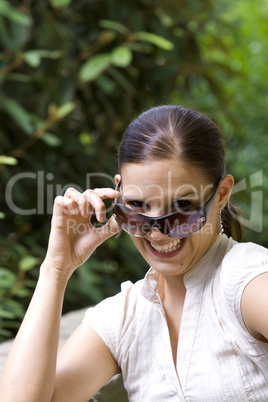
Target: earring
221 223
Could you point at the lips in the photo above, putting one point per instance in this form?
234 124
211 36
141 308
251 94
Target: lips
167 248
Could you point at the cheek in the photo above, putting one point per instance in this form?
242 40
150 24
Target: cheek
212 225
138 241
140 244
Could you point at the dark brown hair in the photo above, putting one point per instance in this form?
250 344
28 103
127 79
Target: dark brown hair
173 131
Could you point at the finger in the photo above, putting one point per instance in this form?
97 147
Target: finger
104 193
65 205
90 201
86 202
94 198
73 194
109 229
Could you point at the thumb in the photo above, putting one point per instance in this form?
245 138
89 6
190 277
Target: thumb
109 229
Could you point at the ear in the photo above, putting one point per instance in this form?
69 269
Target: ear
225 190
117 178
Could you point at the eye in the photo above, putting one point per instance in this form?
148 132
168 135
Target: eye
137 206
182 205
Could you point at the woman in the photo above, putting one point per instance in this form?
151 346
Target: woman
194 328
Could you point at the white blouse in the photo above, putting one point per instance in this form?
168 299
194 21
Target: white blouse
217 359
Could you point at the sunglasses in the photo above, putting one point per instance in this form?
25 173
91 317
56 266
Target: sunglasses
180 224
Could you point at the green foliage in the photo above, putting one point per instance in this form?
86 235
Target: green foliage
60 3
15 286
8 160
14 15
240 52
72 74
121 56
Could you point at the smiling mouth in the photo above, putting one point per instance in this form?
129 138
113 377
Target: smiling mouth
167 248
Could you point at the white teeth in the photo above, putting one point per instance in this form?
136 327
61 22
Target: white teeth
167 248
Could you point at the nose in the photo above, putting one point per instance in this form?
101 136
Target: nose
155 234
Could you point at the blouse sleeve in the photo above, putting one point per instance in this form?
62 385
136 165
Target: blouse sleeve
108 318
242 264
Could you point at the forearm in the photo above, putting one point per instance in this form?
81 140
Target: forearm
29 374
30 371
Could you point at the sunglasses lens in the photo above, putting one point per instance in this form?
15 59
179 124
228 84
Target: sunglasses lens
176 225
130 222
186 225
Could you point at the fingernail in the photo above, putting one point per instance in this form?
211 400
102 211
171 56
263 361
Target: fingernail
102 217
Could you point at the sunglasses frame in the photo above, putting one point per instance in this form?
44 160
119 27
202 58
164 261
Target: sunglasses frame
156 221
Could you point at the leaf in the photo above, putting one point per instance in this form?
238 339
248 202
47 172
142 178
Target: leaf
4 333
12 324
20 115
94 67
7 314
21 292
11 309
6 38
114 26
2 215
27 262
11 13
60 3
65 109
8 160
21 34
155 39
86 139
14 305
121 56
7 278
51 140
34 57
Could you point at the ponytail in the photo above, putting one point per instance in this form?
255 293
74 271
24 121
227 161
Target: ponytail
231 223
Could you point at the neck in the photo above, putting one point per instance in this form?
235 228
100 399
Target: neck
171 288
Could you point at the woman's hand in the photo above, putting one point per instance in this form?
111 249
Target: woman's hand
73 237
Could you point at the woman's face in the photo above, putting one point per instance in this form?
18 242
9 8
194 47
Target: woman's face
158 188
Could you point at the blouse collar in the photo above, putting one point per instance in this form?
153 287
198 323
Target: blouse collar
198 274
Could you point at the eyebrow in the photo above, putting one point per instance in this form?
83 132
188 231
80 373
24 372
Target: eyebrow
131 198
128 198
186 195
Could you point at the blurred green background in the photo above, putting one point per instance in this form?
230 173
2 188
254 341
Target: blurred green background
73 74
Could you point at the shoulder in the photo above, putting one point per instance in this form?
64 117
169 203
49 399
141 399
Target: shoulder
118 306
244 261
241 264
242 251
112 317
